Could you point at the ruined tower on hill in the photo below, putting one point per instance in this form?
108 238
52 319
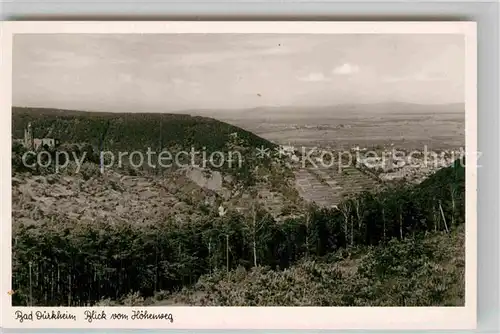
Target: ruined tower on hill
32 143
28 137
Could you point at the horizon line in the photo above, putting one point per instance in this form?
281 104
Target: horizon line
184 111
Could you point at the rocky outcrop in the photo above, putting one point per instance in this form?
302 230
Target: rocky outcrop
112 197
205 178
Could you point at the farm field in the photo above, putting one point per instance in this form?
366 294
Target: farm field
437 131
329 186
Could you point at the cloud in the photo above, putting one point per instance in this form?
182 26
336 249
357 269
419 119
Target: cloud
179 82
278 50
346 69
315 77
417 77
430 77
125 77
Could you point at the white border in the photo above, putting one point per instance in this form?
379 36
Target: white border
254 317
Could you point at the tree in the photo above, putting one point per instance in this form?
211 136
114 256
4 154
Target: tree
346 209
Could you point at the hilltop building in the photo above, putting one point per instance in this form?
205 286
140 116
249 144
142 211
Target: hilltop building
288 150
31 143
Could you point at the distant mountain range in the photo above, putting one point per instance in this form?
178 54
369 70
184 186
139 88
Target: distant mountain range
300 111
336 111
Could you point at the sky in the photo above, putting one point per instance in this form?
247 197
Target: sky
173 72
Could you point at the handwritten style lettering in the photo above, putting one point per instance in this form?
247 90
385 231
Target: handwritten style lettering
43 315
21 316
93 315
145 315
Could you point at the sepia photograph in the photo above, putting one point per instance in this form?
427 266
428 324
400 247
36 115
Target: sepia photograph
238 169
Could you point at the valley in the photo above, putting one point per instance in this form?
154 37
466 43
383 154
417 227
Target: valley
163 229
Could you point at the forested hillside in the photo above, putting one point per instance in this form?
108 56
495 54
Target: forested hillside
55 262
428 270
88 134
131 131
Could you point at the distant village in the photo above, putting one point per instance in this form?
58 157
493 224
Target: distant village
384 165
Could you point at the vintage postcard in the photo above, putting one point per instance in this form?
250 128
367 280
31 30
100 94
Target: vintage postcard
231 175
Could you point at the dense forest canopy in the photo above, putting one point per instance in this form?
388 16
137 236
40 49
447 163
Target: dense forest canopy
88 134
117 131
